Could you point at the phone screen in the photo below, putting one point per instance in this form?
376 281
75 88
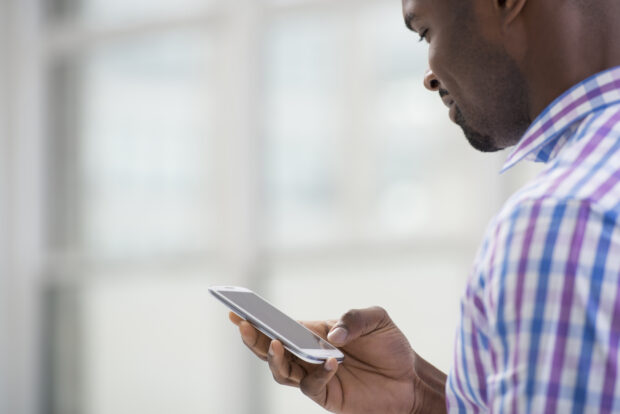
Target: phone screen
276 320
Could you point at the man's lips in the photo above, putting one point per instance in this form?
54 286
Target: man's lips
452 113
447 100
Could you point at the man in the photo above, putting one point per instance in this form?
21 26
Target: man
540 319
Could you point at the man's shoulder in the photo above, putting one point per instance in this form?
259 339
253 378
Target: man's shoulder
581 186
587 171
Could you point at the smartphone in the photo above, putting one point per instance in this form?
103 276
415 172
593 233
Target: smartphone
295 337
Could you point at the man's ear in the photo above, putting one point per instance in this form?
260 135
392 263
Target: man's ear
512 26
509 10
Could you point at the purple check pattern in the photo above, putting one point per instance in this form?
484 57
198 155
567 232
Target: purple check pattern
539 329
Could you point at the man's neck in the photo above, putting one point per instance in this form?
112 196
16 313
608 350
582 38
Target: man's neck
572 47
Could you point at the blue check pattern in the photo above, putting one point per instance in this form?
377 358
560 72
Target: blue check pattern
539 330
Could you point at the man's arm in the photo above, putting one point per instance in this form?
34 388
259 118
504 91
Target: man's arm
380 374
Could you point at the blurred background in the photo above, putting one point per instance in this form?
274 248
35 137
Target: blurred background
152 148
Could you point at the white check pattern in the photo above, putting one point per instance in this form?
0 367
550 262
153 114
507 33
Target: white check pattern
540 318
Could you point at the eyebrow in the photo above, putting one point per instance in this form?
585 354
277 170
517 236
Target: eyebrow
409 18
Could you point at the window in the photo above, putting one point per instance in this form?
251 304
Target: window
287 146
143 135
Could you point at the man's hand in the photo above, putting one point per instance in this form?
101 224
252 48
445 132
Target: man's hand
380 372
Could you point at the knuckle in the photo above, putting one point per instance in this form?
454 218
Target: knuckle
367 319
381 317
311 388
250 344
351 316
380 311
360 316
276 371
278 378
260 355
308 390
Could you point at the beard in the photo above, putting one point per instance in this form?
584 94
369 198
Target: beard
505 117
479 141
498 113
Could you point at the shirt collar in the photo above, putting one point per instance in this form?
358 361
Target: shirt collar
552 128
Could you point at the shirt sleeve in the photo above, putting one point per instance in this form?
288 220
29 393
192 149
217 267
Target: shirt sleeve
540 319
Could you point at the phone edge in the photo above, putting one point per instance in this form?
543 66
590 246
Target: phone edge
273 335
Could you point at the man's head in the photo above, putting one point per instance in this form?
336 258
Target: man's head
498 63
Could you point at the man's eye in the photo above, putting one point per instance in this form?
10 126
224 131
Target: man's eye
423 35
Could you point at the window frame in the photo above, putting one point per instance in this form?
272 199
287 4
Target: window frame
22 205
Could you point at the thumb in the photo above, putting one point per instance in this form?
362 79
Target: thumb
356 323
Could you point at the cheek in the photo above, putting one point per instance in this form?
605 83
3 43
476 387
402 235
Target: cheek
451 60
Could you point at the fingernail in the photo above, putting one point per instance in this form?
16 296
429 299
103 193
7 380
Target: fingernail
329 365
338 335
270 351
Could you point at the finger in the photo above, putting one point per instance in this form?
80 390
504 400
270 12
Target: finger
356 323
314 385
234 318
285 369
254 339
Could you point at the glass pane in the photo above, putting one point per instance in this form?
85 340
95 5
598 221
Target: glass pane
303 124
159 347
123 11
144 161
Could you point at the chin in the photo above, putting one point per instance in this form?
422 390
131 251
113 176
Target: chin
478 140
481 142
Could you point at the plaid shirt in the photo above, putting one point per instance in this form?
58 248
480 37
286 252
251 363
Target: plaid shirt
540 318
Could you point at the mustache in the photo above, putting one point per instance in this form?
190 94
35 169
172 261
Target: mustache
443 92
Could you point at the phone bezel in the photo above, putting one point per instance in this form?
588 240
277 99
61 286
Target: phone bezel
310 355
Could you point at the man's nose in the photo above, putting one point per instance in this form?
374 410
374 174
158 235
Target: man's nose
430 81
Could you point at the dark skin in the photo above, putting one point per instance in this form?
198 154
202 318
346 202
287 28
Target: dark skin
497 64
380 374
503 64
